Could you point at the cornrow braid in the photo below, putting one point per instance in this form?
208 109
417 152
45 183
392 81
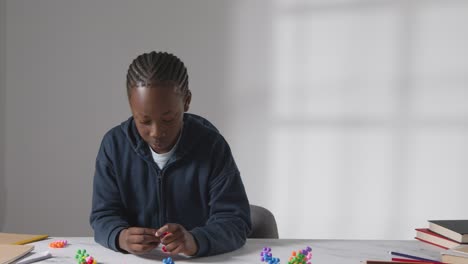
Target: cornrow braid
157 67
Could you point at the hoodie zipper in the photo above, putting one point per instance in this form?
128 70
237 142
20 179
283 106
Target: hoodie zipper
160 192
161 198
158 195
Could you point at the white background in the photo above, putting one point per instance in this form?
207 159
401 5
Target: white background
348 119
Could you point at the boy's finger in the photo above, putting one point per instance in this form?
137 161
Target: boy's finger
143 239
170 237
177 249
167 228
141 231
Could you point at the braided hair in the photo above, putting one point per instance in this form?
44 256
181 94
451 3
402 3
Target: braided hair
157 68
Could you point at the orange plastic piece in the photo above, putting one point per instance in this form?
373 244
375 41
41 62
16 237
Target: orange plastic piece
58 244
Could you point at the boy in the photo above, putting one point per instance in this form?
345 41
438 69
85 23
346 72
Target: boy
164 175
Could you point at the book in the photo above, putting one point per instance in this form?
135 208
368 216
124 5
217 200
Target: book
426 235
10 253
454 257
454 229
462 249
20 239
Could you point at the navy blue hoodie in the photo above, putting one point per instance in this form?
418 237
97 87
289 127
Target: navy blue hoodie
200 188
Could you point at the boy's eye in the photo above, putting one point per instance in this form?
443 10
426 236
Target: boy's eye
168 121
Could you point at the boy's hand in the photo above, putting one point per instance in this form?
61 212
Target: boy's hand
138 240
177 239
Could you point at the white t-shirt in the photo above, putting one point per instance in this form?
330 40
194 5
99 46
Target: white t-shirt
161 159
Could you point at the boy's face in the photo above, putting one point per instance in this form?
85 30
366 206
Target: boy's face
158 112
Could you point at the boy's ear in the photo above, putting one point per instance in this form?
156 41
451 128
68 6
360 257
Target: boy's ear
188 99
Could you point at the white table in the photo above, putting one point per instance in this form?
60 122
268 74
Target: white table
324 251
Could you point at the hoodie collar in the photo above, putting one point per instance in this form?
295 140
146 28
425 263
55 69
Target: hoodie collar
141 147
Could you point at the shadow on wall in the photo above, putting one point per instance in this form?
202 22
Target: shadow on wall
344 104
2 112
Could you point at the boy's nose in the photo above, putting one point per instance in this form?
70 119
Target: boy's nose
156 131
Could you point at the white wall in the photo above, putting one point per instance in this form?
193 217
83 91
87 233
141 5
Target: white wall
2 112
339 113
66 69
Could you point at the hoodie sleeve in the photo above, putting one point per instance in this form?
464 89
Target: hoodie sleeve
106 214
229 222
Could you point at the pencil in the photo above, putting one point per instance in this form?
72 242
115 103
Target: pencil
414 261
413 257
392 262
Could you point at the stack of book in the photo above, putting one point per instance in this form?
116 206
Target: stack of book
446 234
